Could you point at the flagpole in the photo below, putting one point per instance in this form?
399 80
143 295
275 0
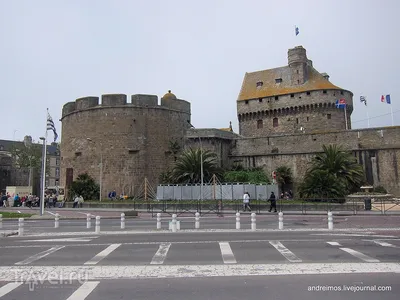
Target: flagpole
391 112
368 117
44 156
345 116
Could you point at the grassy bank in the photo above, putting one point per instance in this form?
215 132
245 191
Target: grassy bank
7 214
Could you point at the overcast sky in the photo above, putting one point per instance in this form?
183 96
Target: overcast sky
53 52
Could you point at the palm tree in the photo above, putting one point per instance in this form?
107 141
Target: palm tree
187 168
333 173
284 176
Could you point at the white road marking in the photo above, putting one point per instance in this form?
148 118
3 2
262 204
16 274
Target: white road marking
355 234
191 271
86 239
84 290
39 255
360 255
227 254
53 214
334 244
101 255
161 254
384 244
289 255
5 289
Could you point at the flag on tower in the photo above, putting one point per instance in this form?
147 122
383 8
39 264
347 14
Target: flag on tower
296 30
386 99
363 100
341 103
50 126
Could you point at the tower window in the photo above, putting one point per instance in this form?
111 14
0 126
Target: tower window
259 124
297 120
246 102
260 100
308 93
341 92
329 116
324 91
276 97
260 84
275 122
291 95
298 81
278 80
308 119
297 71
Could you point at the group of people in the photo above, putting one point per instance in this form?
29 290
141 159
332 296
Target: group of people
78 201
28 201
272 200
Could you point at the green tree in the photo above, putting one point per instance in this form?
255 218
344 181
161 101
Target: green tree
284 176
253 176
187 168
85 186
333 173
25 157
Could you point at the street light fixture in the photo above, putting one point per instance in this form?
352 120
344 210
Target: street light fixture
101 166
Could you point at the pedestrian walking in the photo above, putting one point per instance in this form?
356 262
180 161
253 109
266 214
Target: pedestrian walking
272 199
246 201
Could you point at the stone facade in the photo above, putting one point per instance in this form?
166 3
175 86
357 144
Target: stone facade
129 140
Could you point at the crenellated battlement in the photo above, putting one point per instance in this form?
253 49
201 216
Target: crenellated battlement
120 100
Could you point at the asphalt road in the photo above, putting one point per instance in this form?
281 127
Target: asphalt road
202 265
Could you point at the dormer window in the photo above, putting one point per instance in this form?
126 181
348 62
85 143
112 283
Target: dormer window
259 84
278 80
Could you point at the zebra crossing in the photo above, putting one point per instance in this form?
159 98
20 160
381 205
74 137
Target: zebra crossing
204 252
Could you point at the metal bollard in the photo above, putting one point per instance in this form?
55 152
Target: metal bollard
1 221
97 225
330 221
173 223
20 226
197 220
88 221
237 220
280 219
122 221
253 222
56 221
158 221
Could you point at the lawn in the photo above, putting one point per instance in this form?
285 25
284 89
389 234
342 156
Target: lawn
7 214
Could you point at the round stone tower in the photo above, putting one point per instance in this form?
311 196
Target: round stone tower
119 143
292 99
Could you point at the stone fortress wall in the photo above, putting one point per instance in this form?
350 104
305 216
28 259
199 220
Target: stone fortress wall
131 139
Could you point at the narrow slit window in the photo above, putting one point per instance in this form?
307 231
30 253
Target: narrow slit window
275 122
259 124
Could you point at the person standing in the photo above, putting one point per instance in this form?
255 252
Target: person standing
272 199
246 201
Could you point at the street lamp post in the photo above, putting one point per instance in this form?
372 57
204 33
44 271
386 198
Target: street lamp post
201 164
101 167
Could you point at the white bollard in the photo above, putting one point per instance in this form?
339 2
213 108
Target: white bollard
237 220
20 226
97 225
330 221
158 221
122 221
178 225
253 222
280 219
173 224
1 221
57 221
197 220
88 221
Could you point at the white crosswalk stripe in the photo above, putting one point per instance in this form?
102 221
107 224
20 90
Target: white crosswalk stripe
4 290
100 256
334 244
39 255
289 255
360 255
84 290
384 244
161 254
227 254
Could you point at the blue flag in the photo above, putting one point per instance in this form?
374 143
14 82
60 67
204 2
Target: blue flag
296 30
388 99
341 103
